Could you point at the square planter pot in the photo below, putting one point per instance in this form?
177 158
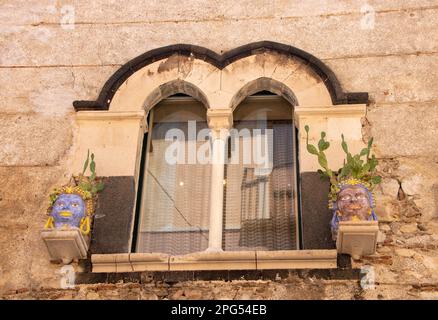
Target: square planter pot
357 238
65 245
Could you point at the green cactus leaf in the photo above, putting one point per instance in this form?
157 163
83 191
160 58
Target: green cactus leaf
93 166
364 152
376 179
85 185
370 143
86 162
344 144
322 160
100 186
322 174
365 169
323 145
345 171
311 149
373 163
329 173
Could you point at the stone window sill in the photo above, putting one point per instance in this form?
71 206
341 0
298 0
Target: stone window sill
225 260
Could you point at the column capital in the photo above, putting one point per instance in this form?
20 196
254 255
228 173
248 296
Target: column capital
220 119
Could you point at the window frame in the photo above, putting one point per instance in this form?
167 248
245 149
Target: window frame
123 102
253 100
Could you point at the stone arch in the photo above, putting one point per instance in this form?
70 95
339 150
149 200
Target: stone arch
261 84
210 61
173 87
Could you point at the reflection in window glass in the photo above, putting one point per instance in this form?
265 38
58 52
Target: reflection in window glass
259 211
174 214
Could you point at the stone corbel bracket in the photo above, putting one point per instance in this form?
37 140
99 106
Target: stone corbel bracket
357 238
65 245
225 260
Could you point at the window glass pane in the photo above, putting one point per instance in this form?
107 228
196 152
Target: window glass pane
175 201
259 206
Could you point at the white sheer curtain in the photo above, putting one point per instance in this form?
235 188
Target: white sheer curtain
259 205
175 200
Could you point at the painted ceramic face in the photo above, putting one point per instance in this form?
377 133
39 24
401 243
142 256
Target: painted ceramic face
353 203
68 209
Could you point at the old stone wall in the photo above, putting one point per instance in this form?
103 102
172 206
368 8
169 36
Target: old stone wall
55 52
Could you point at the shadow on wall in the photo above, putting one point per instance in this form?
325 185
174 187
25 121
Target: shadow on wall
315 213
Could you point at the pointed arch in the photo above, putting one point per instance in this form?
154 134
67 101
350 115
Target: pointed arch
173 87
261 84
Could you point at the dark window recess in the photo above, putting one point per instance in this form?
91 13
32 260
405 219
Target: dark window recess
113 216
264 93
315 213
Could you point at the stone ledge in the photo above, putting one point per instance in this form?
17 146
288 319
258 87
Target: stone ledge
226 260
110 115
348 110
297 259
234 260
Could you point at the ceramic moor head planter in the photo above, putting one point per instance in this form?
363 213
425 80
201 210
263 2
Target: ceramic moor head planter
351 187
72 206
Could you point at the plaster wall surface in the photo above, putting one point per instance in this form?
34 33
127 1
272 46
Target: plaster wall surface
55 52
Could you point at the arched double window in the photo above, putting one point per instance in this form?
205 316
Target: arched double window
265 196
260 211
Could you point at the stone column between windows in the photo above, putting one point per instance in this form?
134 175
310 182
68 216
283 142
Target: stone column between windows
220 122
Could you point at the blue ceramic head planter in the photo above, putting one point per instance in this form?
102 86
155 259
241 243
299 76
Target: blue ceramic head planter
71 207
68 210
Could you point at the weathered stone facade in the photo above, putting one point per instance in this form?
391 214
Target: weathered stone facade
390 51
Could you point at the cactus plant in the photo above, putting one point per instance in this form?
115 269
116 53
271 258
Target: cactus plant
91 183
354 166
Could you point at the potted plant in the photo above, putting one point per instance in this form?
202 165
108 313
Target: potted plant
351 195
70 211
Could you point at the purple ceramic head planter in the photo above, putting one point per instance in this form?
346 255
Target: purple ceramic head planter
71 208
68 210
354 202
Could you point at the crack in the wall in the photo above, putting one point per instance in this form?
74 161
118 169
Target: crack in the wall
383 55
61 66
93 65
225 19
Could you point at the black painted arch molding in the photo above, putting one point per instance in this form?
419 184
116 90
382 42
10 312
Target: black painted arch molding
338 96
